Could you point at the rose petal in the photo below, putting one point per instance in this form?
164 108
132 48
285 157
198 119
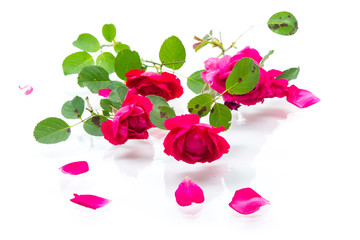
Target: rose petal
90 201
28 89
300 97
247 201
104 92
188 192
75 168
185 121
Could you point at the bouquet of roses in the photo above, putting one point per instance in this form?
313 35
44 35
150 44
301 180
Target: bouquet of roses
141 99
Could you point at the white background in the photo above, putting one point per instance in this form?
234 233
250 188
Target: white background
304 161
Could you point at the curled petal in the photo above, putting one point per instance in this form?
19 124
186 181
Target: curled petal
189 192
247 201
28 89
300 97
90 201
104 92
75 168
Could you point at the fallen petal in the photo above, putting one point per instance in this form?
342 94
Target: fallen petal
90 201
188 192
300 97
75 168
28 89
104 92
247 201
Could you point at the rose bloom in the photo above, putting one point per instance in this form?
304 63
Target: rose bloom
217 71
165 85
130 122
192 141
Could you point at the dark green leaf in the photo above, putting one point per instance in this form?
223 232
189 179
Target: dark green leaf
94 78
266 57
115 84
76 61
87 43
244 77
51 130
220 115
120 46
106 60
159 115
195 82
125 61
109 32
172 51
290 74
74 108
157 101
108 106
283 23
200 104
92 125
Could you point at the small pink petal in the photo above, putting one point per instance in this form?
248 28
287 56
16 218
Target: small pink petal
75 168
28 89
188 192
247 201
104 92
300 97
90 201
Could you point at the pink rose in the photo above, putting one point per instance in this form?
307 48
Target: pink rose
192 141
217 71
130 122
165 85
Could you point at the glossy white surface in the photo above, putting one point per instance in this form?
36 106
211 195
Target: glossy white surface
304 161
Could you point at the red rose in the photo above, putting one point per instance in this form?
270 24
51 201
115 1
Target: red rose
130 122
192 141
165 85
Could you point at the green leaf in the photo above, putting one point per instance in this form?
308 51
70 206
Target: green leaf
109 32
290 74
172 51
107 105
117 96
106 60
76 61
52 130
87 43
118 47
266 58
283 23
115 84
161 111
158 117
200 104
244 77
92 125
125 61
195 82
74 108
94 78
220 115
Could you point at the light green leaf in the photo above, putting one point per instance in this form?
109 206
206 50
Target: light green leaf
76 61
118 47
87 43
220 115
266 58
125 61
172 51
94 78
106 60
244 77
117 96
52 130
200 104
161 111
74 108
108 106
92 125
290 74
195 82
109 32
283 23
